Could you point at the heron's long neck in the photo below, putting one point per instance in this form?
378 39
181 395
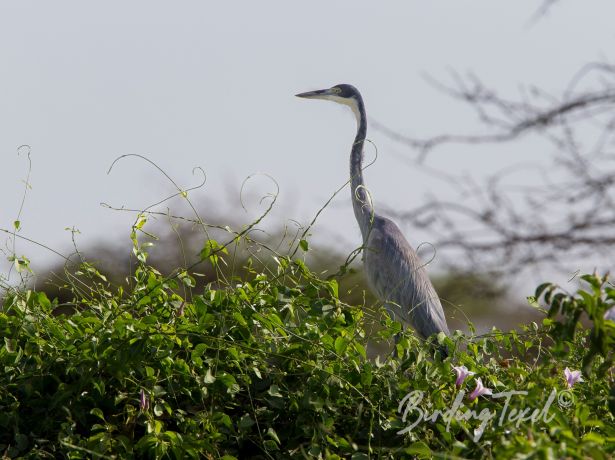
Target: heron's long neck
361 201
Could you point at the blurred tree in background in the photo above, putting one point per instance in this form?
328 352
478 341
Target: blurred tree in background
177 242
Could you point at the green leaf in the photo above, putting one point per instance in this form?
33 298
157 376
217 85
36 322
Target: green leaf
334 288
209 378
158 410
228 381
361 349
532 301
141 220
239 318
303 244
419 449
274 390
593 437
246 422
10 344
271 432
366 375
98 413
210 249
198 350
340 345
22 263
359 456
541 288
257 372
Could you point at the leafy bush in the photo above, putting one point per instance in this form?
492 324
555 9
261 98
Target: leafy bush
274 365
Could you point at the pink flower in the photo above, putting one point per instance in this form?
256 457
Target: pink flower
143 401
462 372
479 390
572 377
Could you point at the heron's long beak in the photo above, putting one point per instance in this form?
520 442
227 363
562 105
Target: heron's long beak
318 94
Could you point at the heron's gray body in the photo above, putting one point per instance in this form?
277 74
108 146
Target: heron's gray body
398 277
393 269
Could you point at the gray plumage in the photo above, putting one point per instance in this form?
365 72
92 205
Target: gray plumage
398 277
394 271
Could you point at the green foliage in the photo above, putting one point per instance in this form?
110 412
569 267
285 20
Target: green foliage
592 302
275 365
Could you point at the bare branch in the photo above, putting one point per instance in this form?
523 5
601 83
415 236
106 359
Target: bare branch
570 212
542 11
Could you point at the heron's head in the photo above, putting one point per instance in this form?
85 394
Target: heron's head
342 94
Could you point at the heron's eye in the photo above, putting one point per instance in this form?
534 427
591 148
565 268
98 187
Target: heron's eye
336 90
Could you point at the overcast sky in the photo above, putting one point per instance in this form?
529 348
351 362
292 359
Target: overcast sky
211 84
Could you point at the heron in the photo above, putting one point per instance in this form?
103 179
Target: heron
393 269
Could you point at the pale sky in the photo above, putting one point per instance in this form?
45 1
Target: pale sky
211 84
